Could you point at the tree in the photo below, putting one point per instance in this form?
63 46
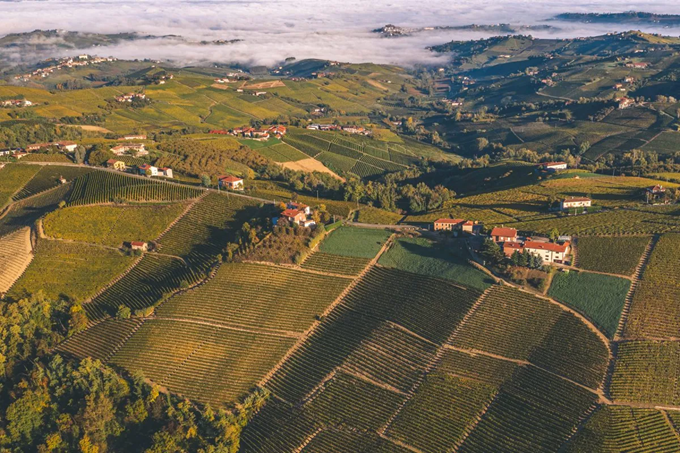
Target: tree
205 180
492 252
481 144
123 312
554 234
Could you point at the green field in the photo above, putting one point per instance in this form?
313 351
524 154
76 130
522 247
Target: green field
422 256
74 271
12 179
599 297
613 255
111 225
356 242
48 178
377 216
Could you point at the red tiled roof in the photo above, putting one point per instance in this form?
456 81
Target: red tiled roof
137 244
230 178
560 248
111 161
290 213
504 232
452 221
144 167
512 245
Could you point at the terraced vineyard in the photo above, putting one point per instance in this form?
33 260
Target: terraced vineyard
613 255
613 429
647 372
154 277
26 212
205 230
106 187
15 256
655 310
48 178
75 271
12 179
205 363
335 264
258 296
111 225
101 340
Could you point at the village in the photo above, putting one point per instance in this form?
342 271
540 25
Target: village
63 63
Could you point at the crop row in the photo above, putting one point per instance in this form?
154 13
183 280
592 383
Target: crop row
204 363
148 282
614 255
613 429
100 340
26 212
104 187
13 178
15 256
336 264
48 178
364 170
521 326
258 296
655 311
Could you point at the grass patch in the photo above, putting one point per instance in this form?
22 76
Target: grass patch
599 297
352 241
377 216
421 256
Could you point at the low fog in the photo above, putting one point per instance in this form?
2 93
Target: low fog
273 30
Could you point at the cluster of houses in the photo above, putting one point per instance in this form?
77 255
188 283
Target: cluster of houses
130 97
64 146
549 252
64 63
144 169
263 134
626 102
637 65
334 127
132 137
298 214
16 103
138 149
458 225
630 80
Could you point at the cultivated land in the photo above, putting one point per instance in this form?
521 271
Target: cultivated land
15 256
613 255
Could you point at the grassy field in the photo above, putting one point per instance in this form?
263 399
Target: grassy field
655 311
75 271
599 297
613 255
111 225
356 242
422 256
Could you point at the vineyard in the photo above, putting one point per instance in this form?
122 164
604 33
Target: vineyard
335 264
15 256
144 285
27 212
377 216
101 340
599 297
258 296
75 271
208 364
613 429
421 256
647 372
655 311
111 225
48 178
520 326
613 255
205 230
106 187
12 179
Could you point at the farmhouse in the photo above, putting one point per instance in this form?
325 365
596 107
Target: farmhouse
133 137
294 216
553 166
549 252
299 207
136 245
575 202
624 103
16 103
19 155
448 224
165 171
500 234
68 146
148 170
38 146
130 97
230 182
138 148
277 130
116 164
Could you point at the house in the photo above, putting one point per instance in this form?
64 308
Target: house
553 166
629 79
641 65
165 171
133 137
19 155
230 182
309 223
575 202
471 227
624 103
548 251
656 190
299 207
136 245
68 146
509 248
448 224
138 148
39 146
148 170
294 216
260 135
62 180
501 234
116 164
130 97
277 130
354 129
